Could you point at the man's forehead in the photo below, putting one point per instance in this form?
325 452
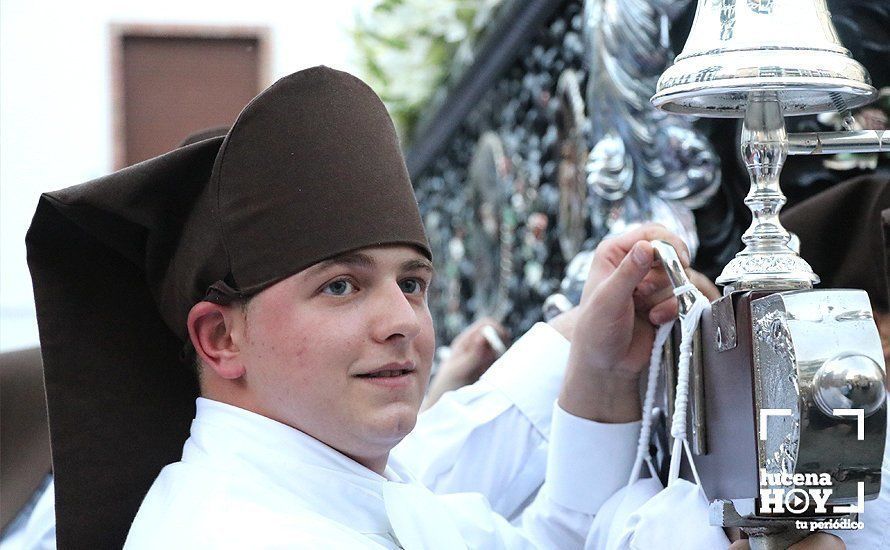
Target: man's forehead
407 258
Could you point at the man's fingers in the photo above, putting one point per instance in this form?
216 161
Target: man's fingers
664 312
703 284
502 332
655 287
620 285
645 303
646 232
657 279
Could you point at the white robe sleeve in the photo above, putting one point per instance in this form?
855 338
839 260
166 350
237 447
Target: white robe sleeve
563 511
587 462
504 435
492 437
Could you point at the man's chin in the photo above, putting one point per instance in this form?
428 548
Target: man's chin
395 423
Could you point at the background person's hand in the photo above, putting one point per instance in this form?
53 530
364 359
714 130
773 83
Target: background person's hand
471 355
627 292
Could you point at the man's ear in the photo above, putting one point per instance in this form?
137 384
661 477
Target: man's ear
211 329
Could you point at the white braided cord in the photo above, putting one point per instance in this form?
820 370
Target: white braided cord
688 326
661 336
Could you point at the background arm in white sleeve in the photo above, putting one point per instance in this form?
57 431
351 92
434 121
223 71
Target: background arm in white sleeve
491 437
587 462
494 437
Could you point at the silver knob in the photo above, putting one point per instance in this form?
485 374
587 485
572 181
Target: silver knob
849 381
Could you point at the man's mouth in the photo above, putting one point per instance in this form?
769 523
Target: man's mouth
390 371
385 373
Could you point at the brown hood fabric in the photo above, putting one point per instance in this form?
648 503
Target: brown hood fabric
24 437
206 133
311 169
841 236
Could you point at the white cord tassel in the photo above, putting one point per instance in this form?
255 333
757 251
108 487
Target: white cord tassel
661 336
688 324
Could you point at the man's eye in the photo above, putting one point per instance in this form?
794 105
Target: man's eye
340 287
413 286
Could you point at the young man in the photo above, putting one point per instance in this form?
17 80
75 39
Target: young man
291 257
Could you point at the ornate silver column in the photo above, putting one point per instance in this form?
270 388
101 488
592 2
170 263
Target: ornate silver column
773 345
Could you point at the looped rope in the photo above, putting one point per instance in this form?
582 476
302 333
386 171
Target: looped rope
686 288
661 336
688 326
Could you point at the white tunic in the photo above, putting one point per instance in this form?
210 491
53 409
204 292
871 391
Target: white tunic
492 437
249 481
503 416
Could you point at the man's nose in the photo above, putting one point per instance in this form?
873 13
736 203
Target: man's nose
396 316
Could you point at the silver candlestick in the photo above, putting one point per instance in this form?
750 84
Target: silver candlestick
766 263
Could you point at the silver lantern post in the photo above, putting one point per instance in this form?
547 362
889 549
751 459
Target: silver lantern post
772 342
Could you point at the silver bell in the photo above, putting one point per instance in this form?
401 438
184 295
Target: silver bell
741 46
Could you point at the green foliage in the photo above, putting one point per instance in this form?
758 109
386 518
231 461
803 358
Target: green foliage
408 48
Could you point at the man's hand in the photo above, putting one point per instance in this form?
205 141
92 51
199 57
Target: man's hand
627 292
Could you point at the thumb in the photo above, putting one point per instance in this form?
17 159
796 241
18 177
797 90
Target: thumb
618 288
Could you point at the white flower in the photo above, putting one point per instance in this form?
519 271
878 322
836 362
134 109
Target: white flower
409 46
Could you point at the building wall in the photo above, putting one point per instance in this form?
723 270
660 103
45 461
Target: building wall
56 100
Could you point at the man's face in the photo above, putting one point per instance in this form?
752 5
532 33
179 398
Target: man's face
342 350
